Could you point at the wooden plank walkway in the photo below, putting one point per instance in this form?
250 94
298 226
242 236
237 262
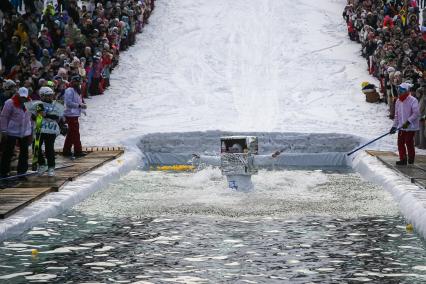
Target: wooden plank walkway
416 172
19 193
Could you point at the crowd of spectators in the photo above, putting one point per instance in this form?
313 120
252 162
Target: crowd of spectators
392 37
45 43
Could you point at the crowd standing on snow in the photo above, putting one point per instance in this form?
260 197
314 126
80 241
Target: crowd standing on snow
393 44
63 52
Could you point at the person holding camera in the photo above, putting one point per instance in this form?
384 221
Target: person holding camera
73 107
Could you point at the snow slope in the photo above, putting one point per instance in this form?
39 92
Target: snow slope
238 65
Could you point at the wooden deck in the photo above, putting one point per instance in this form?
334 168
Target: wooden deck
416 172
16 194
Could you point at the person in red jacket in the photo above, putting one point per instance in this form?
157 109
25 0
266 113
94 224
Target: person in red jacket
388 22
106 71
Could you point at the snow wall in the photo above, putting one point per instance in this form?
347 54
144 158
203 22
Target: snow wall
299 149
410 197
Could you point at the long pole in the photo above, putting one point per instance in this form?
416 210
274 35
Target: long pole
368 143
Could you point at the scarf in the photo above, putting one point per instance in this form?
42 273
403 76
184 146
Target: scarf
17 103
403 97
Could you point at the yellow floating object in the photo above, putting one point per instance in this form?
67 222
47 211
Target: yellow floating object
176 168
409 227
119 161
34 252
363 84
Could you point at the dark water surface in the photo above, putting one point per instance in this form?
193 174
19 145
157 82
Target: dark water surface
178 238
208 250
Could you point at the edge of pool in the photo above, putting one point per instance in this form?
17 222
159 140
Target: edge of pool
410 197
69 195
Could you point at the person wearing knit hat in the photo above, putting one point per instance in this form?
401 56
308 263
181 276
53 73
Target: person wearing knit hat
15 125
407 117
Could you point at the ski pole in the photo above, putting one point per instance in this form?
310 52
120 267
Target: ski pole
372 141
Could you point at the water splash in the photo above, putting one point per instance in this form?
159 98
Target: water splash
277 194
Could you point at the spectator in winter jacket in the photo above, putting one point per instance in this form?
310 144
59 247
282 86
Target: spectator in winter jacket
420 94
7 90
73 106
15 125
41 44
94 76
52 113
1 94
388 22
407 115
22 34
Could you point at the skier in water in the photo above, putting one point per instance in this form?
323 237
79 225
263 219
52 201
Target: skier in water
407 116
15 125
52 113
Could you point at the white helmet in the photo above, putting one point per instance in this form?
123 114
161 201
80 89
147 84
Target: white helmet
46 91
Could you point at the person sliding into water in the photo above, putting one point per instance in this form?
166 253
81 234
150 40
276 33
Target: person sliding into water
407 116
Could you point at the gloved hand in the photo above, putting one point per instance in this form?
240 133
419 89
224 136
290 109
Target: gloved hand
40 108
405 125
392 130
276 154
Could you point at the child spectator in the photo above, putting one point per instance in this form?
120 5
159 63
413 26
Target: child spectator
53 112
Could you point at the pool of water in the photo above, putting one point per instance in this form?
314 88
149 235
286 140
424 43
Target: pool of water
298 226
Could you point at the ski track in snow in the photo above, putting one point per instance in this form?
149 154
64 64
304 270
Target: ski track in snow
238 66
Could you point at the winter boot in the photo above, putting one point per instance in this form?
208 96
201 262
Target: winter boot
401 162
51 172
410 161
67 154
41 170
80 154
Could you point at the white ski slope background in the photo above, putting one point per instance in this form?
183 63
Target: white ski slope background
270 65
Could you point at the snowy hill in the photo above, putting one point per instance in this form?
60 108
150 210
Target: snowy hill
230 65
